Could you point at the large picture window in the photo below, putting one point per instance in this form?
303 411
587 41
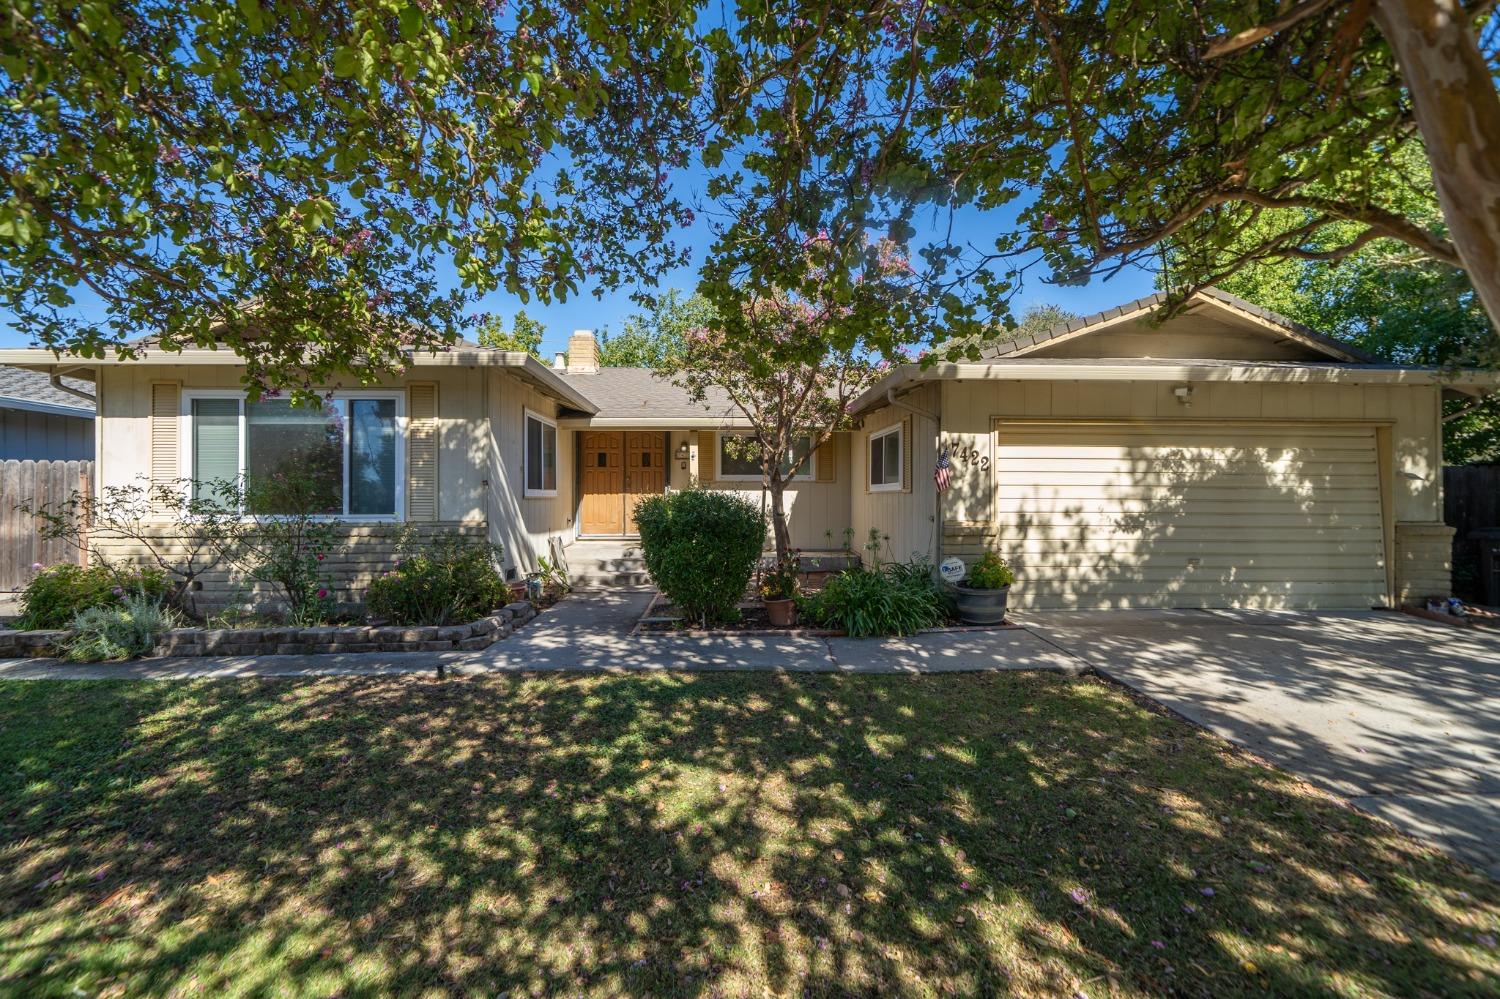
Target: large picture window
885 460
739 458
347 448
541 455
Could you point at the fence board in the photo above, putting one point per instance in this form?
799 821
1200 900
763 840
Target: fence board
35 482
1471 497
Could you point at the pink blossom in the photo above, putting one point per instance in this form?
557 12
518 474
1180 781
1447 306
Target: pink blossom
322 592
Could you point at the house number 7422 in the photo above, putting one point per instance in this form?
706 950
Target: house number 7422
969 456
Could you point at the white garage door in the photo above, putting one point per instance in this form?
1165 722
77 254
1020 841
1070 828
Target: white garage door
1190 515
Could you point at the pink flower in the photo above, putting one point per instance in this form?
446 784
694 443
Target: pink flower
1158 945
322 592
36 565
318 557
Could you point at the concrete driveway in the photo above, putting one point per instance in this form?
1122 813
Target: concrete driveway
1400 715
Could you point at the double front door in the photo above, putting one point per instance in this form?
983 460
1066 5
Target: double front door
619 467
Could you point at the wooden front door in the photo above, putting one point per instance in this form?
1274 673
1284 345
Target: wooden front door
603 483
619 468
645 471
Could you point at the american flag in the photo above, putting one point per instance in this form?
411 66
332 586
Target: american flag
940 474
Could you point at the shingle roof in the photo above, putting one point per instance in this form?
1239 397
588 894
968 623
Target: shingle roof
1334 347
638 393
32 387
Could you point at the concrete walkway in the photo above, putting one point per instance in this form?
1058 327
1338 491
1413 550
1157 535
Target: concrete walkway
591 631
1400 715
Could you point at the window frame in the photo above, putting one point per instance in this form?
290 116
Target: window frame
185 445
527 415
887 487
808 473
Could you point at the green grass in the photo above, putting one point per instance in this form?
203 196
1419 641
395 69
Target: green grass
700 835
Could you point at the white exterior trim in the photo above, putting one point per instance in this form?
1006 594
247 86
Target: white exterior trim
526 490
185 444
897 428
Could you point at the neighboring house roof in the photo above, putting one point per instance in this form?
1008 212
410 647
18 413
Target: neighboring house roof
638 397
1329 346
31 391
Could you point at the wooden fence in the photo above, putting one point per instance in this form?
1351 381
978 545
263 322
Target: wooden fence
38 483
1471 497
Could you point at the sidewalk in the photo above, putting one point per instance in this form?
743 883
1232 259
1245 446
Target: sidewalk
591 632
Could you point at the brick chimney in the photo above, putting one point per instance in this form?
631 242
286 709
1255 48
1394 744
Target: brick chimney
583 351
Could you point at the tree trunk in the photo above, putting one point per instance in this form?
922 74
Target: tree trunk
779 529
1458 112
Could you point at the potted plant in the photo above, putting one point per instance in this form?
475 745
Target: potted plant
778 591
981 597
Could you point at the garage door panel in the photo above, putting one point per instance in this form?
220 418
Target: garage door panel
1191 515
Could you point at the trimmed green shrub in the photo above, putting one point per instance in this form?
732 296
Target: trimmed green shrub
700 548
452 580
119 631
56 595
897 599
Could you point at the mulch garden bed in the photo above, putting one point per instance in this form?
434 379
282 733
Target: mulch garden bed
661 618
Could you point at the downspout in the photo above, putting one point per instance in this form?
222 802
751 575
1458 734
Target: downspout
55 380
937 426
1480 401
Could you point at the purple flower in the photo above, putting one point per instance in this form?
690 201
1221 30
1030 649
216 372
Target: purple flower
1207 891
1158 945
36 565
1079 895
1048 222
118 591
322 592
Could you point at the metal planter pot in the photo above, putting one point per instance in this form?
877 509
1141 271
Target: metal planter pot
977 606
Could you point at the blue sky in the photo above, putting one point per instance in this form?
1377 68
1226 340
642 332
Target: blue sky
586 311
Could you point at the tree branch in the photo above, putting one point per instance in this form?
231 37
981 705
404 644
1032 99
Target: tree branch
1227 45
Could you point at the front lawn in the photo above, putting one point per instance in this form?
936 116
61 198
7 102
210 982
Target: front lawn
741 834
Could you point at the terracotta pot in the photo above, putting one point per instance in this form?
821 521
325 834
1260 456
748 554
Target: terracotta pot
783 613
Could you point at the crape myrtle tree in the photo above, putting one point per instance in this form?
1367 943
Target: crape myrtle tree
285 177
793 363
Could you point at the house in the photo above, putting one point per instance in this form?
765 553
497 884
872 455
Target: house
40 421
1225 457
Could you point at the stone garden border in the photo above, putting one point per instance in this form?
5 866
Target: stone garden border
289 641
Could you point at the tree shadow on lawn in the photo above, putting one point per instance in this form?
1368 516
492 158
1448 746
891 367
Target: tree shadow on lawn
691 835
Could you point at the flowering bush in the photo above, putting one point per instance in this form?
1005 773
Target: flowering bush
453 579
292 537
781 582
54 596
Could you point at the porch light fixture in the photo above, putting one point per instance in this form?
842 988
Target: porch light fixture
682 453
1184 394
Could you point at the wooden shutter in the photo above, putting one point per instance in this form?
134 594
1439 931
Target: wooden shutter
827 457
708 456
906 450
166 443
421 452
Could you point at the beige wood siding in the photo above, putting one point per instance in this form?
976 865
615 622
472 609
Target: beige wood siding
1151 514
1405 420
818 508
525 526
904 521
